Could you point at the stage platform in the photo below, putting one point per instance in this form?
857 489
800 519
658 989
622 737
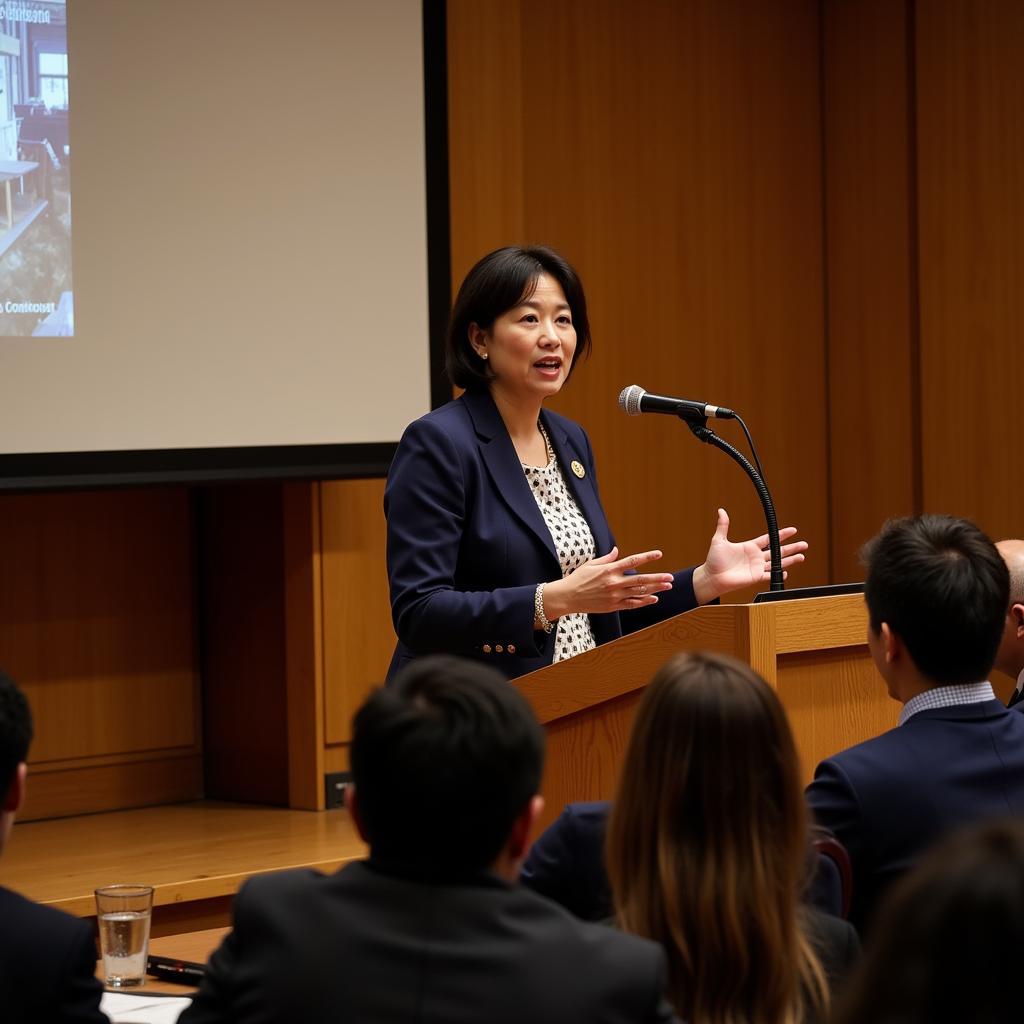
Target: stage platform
195 855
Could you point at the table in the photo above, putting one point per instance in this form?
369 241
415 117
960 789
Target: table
196 946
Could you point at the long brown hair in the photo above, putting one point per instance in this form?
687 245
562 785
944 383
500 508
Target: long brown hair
707 843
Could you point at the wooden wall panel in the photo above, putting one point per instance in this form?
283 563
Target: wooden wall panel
304 644
486 128
871 273
91 785
831 697
242 613
358 637
970 84
671 151
585 754
96 623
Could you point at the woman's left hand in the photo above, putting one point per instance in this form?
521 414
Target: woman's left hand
731 565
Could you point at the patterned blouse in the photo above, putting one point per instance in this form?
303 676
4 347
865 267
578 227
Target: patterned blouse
573 541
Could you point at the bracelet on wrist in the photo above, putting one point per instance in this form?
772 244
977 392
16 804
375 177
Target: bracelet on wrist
538 609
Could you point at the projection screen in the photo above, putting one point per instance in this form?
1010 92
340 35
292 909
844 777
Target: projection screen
242 188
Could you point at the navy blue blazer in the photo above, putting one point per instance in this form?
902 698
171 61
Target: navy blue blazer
566 862
890 798
467 544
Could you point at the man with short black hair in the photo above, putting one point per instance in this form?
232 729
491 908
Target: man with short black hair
47 958
1010 657
432 927
937 592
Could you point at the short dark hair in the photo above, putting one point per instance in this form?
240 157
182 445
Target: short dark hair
15 730
444 760
948 937
943 587
496 284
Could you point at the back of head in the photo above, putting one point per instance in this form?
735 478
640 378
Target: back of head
444 760
941 585
1012 552
15 731
707 841
949 938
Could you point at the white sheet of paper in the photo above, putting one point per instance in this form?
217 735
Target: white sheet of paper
123 1008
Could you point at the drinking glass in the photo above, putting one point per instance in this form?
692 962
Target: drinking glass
124 913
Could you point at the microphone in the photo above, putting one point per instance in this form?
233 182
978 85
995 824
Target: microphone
633 400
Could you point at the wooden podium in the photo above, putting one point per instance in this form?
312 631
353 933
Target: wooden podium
812 650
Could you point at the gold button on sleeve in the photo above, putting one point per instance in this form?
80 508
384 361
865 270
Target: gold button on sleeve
511 648
487 648
499 649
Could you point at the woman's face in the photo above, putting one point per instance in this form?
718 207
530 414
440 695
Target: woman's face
530 347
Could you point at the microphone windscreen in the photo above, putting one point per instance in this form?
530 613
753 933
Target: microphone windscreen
629 399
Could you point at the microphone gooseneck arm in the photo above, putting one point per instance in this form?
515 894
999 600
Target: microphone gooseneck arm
704 433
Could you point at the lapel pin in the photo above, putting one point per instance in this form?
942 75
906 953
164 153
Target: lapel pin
577 468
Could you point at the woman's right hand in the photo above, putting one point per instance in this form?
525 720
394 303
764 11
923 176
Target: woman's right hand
606 584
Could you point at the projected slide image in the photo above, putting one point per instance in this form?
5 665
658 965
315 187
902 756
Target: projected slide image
35 171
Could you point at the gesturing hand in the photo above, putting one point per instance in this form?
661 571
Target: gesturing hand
730 565
602 585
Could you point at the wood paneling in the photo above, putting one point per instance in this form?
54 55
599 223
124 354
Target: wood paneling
672 152
88 788
870 259
96 624
243 614
816 625
833 699
304 671
358 638
970 84
487 148
584 756
807 650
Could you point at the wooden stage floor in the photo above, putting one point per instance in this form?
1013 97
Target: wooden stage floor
195 855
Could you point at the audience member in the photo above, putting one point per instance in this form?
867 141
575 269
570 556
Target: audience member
566 861
47 958
446 765
566 864
950 937
937 593
1010 657
706 850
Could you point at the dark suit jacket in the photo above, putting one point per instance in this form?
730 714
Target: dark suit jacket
890 798
363 945
467 544
47 965
566 862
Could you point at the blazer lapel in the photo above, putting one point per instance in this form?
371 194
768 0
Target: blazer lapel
502 462
583 489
